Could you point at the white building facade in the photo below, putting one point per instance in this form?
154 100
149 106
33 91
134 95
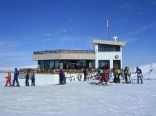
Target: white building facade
106 54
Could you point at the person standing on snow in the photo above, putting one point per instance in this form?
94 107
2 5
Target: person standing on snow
33 79
27 79
126 75
102 78
115 73
62 77
85 74
139 75
106 74
8 81
118 73
16 73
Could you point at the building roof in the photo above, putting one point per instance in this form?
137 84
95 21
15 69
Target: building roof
108 42
63 51
64 54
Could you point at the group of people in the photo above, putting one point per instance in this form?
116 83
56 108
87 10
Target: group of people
8 81
28 76
16 76
104 75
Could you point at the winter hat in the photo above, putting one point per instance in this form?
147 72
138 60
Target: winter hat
9 71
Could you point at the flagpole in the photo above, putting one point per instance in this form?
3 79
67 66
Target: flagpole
108 30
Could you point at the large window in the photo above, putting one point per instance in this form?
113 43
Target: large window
116 64
46 64
108 48
104 64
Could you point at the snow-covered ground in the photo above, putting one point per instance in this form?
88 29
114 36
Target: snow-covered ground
81 98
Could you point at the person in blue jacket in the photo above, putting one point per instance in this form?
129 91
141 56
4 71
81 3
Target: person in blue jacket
16 73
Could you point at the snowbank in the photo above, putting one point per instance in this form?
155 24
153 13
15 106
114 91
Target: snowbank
148 70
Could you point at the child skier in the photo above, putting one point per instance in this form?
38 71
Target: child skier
8 81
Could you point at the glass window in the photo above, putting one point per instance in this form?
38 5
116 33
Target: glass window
107 48
57 64
104 64
41 64
116 64
52 64
47 64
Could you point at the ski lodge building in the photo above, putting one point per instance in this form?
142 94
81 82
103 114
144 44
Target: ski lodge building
106 54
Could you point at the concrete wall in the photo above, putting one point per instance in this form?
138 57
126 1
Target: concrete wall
47 79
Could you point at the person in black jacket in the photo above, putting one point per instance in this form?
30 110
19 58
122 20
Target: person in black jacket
85 74
27 79
139 75
126 75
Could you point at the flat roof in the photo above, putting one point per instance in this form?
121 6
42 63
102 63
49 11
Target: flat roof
64 54
108 42
63 51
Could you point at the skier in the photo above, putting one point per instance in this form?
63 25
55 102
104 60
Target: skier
127 75
62 77
27 79
8 79
85 74
118 73
16 73
103 80
33 79
98 77
139 75
106 74
111 75
115 73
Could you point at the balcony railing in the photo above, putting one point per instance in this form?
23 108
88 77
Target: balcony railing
63 51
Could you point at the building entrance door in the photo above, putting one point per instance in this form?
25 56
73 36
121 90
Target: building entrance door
116 64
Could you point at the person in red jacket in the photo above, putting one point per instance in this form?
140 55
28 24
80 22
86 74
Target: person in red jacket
106 74
8 81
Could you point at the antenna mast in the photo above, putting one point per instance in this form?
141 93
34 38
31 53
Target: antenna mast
108 29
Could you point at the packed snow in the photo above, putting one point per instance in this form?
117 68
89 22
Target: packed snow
83 98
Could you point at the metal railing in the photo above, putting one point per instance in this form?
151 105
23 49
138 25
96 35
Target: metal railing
63 51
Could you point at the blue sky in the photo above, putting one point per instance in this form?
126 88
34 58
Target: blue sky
31 25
